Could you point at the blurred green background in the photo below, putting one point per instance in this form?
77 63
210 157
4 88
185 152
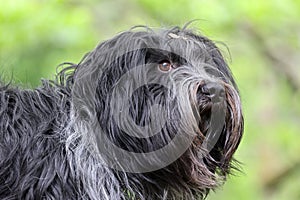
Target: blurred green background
264 42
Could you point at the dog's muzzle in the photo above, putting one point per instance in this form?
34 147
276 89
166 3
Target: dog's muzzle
214 90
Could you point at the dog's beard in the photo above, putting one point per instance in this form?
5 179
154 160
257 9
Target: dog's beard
188 103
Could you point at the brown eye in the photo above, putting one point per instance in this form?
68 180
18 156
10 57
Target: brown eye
165 66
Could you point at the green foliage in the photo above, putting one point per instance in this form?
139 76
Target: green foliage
263 38
38 35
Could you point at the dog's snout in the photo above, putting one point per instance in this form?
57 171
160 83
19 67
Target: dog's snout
214 90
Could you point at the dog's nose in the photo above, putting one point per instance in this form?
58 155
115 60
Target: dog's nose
214 90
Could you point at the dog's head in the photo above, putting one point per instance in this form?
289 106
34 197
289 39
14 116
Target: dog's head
161 110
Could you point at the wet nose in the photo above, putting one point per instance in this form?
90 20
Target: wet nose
214 90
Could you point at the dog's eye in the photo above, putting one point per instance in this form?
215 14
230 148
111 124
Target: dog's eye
165 66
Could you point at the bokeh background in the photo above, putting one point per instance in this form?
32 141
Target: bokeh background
264 42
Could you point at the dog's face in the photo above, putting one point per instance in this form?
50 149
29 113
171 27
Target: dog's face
165 112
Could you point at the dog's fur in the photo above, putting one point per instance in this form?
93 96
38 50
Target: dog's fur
50 150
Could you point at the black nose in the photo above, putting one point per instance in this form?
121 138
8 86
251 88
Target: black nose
214 90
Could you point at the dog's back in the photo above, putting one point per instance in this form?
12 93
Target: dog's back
33 162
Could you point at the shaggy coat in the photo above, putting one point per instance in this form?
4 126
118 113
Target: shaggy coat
52 138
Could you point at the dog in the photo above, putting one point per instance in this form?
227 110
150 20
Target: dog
148 114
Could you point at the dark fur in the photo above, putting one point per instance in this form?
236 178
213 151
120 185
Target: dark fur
49 151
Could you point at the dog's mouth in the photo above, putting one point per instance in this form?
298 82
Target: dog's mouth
204 96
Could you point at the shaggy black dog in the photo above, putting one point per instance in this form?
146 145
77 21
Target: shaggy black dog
148 114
